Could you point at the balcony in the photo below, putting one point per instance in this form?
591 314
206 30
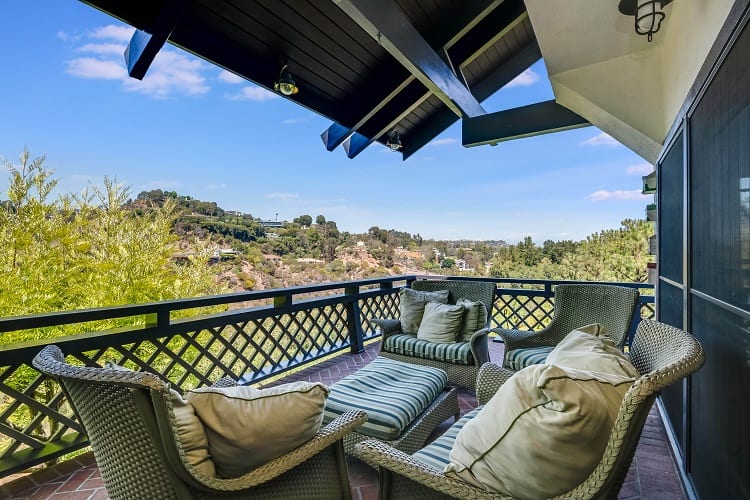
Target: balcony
318 333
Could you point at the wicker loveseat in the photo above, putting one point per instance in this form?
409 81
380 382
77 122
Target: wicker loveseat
662 355
460 360
130 421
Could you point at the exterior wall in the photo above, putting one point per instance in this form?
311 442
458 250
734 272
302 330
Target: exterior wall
704 267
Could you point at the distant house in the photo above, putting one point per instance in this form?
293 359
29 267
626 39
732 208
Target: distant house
272 258
307 260
223 253
272 223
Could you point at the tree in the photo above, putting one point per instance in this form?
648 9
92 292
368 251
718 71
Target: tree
303 220
85 251
320 220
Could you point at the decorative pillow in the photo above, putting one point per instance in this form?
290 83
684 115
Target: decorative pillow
247 427
589 348
192 435
190 431
541 434
475 318
412 306
440 322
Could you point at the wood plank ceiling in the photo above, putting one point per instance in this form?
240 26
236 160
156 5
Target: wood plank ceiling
344 72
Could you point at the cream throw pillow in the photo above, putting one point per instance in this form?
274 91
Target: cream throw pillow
475 318
412 307
247 427
589 348
541 434
440 322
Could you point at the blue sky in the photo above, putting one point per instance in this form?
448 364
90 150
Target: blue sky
195 129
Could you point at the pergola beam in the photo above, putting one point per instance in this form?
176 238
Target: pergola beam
526 121
387 24
143 46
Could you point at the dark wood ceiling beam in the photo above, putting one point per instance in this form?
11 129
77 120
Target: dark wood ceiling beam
463 49
519 62
526 121
143 46
383 86
387 24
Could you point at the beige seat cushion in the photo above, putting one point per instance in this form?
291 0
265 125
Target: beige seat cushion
543 432
412 307
192 435
475 318
247 427
589 348
440 323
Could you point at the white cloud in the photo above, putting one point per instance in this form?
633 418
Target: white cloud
601 140
112 49
525 79
229 77
640 169
443 142
171 72
90 67
295 121
252 93
603 195
112 32
67 37
282 196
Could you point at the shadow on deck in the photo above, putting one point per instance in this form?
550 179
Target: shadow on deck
653 474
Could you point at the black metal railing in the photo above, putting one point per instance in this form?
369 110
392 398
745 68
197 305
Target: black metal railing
253 343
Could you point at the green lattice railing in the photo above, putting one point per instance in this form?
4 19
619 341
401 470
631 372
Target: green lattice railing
254 343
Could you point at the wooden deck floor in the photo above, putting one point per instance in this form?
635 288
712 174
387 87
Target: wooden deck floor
653 474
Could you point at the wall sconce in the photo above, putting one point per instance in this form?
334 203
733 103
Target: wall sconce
394 140
648 14
285 85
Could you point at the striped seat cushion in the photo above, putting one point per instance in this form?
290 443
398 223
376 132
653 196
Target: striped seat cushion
436 454
409 345
518 359
391 392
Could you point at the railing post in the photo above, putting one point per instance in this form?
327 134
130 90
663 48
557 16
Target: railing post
354 324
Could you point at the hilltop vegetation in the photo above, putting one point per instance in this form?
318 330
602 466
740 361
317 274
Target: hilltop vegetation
100 247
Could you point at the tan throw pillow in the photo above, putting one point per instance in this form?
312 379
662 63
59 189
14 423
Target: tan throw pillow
542 434
412 306
475 318
189 432
440 322
192 435
589 348
247 427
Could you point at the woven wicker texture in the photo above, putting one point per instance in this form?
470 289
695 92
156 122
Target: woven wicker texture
137 460
576 306
461 375
661 353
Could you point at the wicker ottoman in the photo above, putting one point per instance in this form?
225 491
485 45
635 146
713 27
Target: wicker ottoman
404 402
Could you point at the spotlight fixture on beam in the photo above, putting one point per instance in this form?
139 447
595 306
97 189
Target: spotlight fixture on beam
286 85
648 14
394 140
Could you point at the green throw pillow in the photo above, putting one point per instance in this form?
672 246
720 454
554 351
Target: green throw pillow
247 427
541 434
475 318
440 322
412 307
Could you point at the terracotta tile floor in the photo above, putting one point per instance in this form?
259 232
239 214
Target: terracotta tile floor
653 474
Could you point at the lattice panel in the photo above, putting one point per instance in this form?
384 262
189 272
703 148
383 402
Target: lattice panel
34 411
380 307
648 311
522 312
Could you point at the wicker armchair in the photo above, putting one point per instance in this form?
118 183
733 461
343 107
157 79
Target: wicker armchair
464 375
575 306
661 353
123 413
